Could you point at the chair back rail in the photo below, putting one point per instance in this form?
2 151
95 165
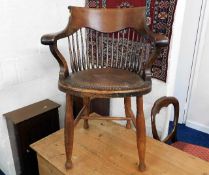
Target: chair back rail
107 20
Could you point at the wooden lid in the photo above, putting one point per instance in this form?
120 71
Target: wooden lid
27 112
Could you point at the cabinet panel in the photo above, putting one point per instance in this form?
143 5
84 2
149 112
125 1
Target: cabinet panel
26 126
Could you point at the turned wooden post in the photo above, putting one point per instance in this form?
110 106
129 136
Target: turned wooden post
86 102
127 104
129 112
69 131
140 133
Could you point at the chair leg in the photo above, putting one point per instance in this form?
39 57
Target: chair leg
86 101
69 131
127 104
140 133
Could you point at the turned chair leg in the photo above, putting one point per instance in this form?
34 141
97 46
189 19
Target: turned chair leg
129 112
127 104
86 101
69 131
140 133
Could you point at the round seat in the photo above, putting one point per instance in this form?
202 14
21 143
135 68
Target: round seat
105 82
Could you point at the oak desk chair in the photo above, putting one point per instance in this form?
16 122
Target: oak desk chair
111 52
195 150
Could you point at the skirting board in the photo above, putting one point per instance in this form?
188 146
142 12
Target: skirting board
198 126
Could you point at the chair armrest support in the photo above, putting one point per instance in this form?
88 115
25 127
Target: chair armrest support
158 105
160 42
61 60
146 74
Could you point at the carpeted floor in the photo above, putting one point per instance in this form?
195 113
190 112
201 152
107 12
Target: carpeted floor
190 135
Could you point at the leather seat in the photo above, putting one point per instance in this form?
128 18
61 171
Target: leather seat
105 79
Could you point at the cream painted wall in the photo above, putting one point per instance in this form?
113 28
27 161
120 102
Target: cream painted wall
197 116
29 73
185 51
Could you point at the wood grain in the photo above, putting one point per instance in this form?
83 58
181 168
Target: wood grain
140 133
109 149
69 130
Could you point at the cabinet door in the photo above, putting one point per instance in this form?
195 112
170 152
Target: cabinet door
31 131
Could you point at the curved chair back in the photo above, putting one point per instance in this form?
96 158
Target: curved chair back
100 38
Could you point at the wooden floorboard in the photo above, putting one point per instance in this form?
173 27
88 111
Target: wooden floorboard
109 149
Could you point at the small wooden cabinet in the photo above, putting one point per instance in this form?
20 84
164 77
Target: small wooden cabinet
26 126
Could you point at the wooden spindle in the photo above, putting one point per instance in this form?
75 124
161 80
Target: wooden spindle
107 51
112 53
122 47
87 48
71 55
127 48
134 58
117 50
135 61
140 49
132 48
82 48
74 54
97 50
102 50
137 58
92 49
78 52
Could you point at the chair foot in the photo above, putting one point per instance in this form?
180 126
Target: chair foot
142 167
86 124
68 164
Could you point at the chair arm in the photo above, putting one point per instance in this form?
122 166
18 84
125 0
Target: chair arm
160 39
158 105
50 39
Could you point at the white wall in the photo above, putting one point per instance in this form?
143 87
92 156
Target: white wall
185 52
28 71
197 116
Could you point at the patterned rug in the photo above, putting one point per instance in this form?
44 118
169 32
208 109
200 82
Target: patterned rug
195 150
160 14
